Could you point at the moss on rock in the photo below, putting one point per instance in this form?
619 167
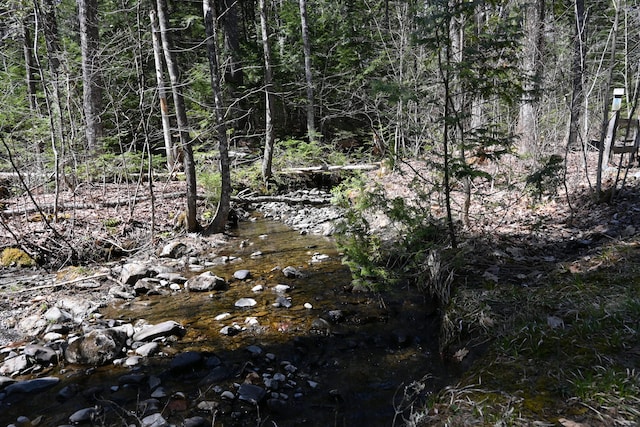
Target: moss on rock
16 257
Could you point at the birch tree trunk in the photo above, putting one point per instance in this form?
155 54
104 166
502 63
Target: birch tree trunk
191 221
91 80
169 147
306 47
269 138
224 205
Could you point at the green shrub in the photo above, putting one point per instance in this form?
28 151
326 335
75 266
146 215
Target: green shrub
398 254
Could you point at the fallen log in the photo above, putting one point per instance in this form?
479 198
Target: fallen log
283 199
48 207
331 168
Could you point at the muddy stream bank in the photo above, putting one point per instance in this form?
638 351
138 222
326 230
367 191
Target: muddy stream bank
303 349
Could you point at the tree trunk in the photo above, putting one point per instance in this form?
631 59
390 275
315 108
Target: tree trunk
607 99
30 67
224 205
191 221
269 138
531 64
91 80
306 47
169 147
47 14
577 71
233 72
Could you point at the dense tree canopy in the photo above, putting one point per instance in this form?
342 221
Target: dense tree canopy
388 79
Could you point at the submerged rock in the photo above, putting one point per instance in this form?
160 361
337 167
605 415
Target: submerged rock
32 386
245 302
292 272
242 274
251 393
85 415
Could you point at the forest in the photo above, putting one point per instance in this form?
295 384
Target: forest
487 134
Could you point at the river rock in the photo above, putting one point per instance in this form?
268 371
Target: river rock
281 289
55 315
80 307
32 386
132 272
254 350
160 330
67 392
292 272
222 316
97 347
319 258
245 302
242 274
282 301
172 277
186 361
230 330
5 381
15 365
32 325
174 250
135 379
84 416
41 354
147 286
321 326
159 393
277 406
335 316
217 374
205 282
122 292
251 393
148 349
132 361
154 420
196 422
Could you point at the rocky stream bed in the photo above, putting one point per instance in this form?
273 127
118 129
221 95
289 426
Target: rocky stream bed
257 327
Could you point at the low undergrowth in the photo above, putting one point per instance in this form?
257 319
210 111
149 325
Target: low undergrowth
562 353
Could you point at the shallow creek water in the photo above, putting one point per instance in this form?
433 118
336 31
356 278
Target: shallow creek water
352 373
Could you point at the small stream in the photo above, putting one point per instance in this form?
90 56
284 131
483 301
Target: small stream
350 368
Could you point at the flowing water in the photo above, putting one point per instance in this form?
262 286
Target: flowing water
358 366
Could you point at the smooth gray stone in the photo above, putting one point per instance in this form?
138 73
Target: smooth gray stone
160 330
251 393
245 302
32 386
242 274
